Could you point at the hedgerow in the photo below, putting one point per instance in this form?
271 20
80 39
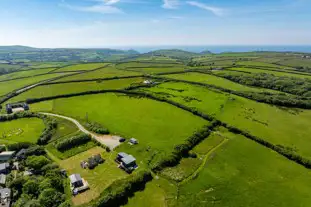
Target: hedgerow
69 143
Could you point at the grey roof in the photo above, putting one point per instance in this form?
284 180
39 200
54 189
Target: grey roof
122 154
74 178
5 192
128 159
4 166
133 140
2 179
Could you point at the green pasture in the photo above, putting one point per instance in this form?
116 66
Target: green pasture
138 64
85 66
107 72
21 130
280 126
10 86
68 88
243 173
277 73
26 73
99 178
155 124
296 62
46 64
258 64
157 193
217 81
156 70
64 128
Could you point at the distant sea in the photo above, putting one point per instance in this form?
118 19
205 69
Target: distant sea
221 49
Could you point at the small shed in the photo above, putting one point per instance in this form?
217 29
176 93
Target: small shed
76 180
4 168
133 141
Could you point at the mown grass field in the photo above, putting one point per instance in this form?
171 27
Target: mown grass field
26 73
79 67
9 86
107 72
64 128
243 173
58 89
217 81
21 130
259 119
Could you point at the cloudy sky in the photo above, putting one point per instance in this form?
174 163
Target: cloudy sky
111 23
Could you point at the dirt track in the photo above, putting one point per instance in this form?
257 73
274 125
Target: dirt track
108 140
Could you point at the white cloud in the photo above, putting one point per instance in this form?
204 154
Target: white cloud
170 4
103 7
215 10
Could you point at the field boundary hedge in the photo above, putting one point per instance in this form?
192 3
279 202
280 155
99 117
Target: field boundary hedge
72 142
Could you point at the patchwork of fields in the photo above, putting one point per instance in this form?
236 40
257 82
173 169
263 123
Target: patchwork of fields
202 141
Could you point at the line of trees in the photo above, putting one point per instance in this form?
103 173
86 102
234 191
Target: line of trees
72 142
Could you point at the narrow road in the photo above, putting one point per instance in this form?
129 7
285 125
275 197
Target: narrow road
108 140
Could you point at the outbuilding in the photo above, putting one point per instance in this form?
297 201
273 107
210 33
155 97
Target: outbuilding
76 180
5 195
2 179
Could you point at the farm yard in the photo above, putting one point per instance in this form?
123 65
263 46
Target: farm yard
229 129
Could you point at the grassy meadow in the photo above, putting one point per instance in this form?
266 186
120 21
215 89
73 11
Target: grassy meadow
21 130
243 173
26 73
81 67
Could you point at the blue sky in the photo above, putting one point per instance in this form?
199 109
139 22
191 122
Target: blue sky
115 23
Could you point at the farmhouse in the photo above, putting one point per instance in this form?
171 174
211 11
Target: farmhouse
11 108
4 168
5 194
6 155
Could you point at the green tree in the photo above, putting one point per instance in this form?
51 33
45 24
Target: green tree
31 188
51 198
36 162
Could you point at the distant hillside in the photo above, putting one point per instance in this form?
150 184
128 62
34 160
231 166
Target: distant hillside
174 53
28 54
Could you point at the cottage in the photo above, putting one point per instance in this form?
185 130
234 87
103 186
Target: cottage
76 180
2 179
4 168
5 194
21 154
133 141
6 155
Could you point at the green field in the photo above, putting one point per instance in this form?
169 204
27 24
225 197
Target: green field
81 67
26 73
243 173
64 128
107 72
21 130
9 86
122 115
259 119
217 81
58 89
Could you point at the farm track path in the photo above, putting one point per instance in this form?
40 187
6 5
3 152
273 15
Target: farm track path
200 168
107 140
